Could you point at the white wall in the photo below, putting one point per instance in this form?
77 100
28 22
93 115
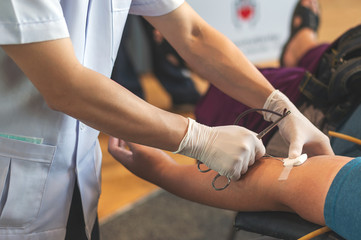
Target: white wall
258 27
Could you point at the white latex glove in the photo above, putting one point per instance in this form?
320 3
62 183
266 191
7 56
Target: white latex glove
229 150
296 129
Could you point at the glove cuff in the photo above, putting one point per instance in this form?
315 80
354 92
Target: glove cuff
186 136
277 102
194 140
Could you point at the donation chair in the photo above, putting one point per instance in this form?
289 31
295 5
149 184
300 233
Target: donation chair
281 225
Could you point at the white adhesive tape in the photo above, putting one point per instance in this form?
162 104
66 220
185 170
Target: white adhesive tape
288 165
285 172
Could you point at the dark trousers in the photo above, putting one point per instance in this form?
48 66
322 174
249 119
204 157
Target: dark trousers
179 85
75 228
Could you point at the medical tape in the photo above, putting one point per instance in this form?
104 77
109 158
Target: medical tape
289 164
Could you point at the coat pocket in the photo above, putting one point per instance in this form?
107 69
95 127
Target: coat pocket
24 171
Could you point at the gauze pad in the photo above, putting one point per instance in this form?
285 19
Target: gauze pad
288 165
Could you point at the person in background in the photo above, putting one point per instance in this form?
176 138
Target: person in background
166 65
56 95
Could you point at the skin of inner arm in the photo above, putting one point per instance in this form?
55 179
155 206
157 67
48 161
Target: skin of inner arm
304 192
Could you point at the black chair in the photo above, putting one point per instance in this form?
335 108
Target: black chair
282 225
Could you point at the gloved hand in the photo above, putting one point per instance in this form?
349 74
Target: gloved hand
229 150
296 129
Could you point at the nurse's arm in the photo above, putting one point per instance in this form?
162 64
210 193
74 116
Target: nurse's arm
213 56
96 100
304 192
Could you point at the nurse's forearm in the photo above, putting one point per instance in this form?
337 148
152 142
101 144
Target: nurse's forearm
105 105
69 87
218 60
213 56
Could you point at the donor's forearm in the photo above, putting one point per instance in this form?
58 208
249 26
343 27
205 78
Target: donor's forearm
304 191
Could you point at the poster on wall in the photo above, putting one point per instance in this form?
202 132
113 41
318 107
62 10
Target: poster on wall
258 27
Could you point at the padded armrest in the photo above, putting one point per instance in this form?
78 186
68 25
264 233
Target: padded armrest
288 226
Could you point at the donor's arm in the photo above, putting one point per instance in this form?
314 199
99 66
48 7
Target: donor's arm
304 192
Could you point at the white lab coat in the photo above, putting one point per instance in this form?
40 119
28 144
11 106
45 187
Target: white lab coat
42 151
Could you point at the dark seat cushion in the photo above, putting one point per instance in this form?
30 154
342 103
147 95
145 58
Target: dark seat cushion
281 225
